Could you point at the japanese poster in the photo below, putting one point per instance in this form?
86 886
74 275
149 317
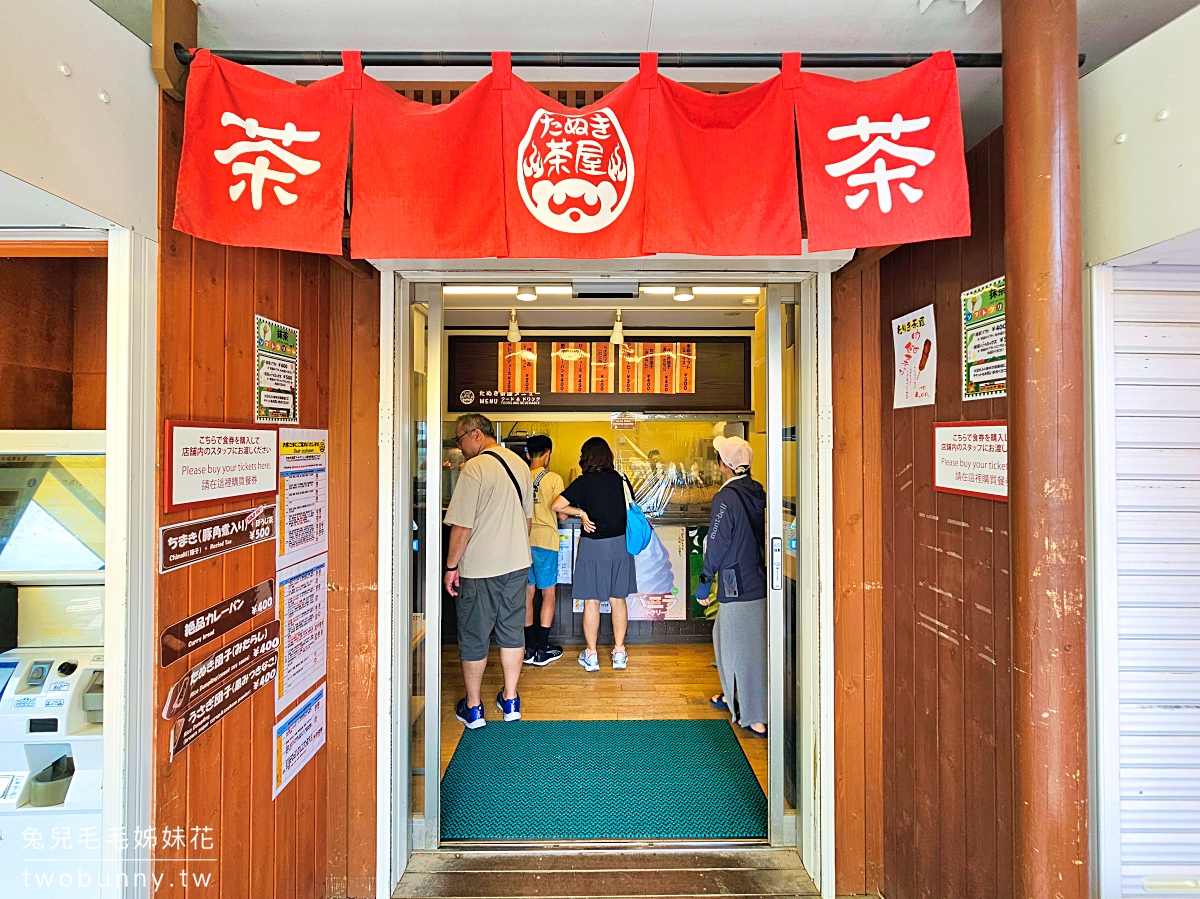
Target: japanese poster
518 367
297 738
302 609
914 338
571 363
984 359
213 463
662 578
303 494
631 368
603 368
190 542
685 378
971 458
568 545
276 373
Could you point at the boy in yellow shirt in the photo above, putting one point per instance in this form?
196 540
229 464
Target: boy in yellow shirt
543 542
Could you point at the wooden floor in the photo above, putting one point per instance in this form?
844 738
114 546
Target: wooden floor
672 680
606 874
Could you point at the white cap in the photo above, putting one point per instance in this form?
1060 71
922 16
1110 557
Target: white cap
734 451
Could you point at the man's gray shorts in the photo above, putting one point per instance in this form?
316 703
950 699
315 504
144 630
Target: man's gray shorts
488 605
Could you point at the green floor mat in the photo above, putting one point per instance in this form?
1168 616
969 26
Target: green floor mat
601 780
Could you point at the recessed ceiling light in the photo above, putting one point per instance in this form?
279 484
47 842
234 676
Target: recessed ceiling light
749 301
479 290
721 290
526 293
684 294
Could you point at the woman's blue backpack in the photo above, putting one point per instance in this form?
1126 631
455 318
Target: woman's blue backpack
637 527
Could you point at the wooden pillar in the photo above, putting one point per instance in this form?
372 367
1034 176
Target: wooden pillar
1043 259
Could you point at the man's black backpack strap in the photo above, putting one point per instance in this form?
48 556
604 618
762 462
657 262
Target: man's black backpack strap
508 471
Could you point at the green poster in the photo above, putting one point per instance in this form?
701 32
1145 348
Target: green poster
695 554
276 373
984 362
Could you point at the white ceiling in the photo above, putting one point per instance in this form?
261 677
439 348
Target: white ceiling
23 206
1106 28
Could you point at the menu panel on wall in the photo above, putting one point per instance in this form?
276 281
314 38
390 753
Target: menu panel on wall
702 375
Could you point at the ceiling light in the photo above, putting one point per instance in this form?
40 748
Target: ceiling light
526 293
721 290
475 290
618 332
685 294
658 289
514 333
749 301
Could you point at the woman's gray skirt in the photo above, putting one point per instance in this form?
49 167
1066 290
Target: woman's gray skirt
740 641
603 569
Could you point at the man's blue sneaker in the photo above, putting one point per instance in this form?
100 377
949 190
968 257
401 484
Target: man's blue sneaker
471 716
510 707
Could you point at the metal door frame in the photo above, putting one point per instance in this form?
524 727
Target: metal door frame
810 829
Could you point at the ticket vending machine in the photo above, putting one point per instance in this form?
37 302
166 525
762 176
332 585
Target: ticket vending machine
51 674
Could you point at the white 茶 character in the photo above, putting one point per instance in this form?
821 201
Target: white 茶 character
883 137
558 159
260 170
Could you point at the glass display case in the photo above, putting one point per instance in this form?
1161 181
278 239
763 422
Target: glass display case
668 458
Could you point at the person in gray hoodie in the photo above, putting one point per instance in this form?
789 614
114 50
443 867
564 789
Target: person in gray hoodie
734 558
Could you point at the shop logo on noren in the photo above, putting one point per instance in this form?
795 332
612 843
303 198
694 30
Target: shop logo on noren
467 397
575 172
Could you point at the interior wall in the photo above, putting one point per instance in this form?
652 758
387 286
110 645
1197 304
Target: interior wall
947 736
53 318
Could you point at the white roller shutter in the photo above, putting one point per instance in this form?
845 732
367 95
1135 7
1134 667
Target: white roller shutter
1156 403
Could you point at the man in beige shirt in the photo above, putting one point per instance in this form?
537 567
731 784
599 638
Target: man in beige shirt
487 566
543 542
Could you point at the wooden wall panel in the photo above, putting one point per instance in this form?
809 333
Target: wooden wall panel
53 319
857 560
89 344
947 697
219 788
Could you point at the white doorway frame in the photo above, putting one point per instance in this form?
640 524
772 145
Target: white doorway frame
812 830
128 444
131 432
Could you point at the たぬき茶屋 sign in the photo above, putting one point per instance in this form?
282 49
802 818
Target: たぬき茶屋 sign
970 458
651 167
210 463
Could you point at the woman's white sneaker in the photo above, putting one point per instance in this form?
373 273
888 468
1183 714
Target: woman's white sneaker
589 662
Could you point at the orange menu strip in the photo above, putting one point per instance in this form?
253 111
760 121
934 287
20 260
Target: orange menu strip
630 368
602 367
685 378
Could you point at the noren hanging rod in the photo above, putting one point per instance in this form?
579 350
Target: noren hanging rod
572 60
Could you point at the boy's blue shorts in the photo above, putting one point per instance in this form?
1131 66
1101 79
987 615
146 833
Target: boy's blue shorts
543 573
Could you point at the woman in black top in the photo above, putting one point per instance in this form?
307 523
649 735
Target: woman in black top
603 568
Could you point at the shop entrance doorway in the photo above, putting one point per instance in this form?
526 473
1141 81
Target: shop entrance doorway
737 358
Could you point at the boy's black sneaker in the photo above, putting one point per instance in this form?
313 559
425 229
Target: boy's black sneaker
544 657
530 654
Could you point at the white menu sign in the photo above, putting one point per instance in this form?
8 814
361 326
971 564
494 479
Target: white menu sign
214 463
302 608
971 458
303 494
297 738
